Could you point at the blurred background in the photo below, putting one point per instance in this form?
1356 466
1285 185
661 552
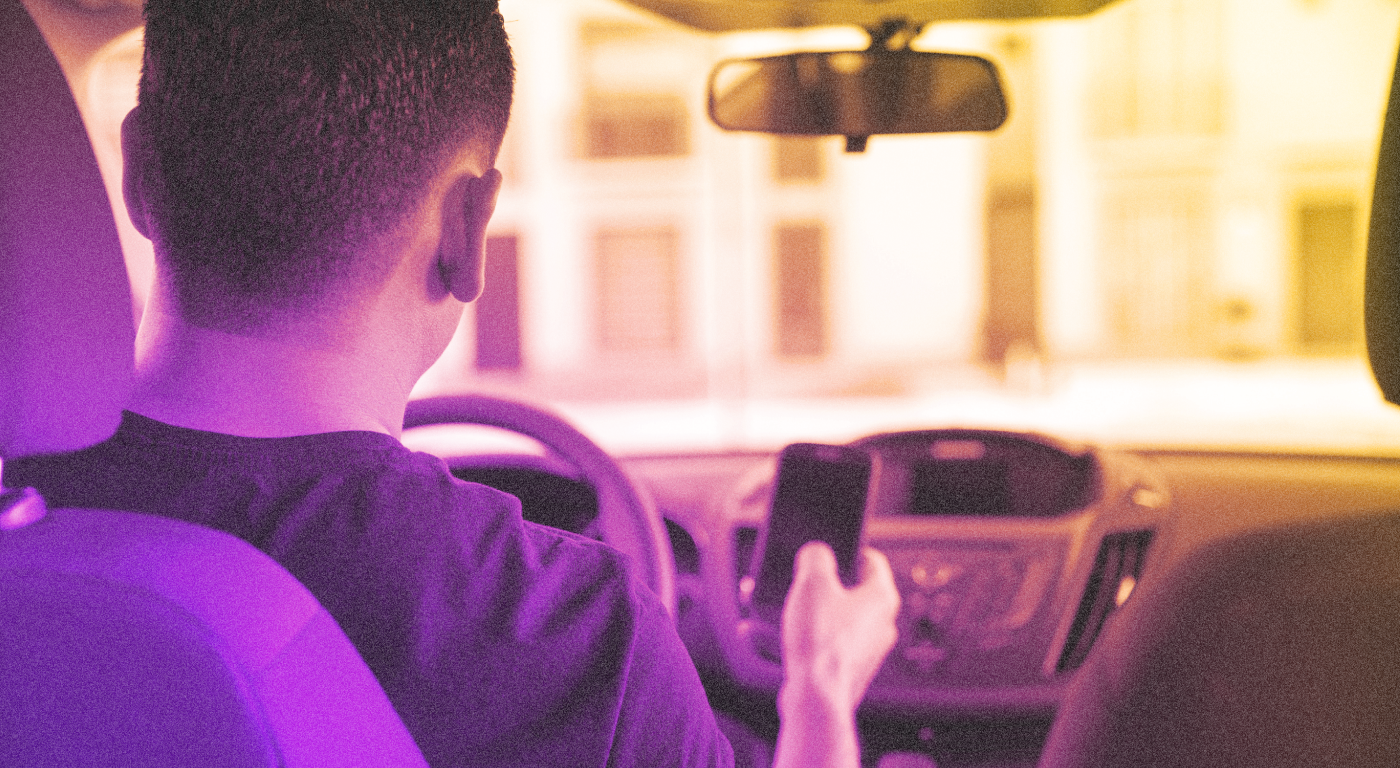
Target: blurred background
1164 244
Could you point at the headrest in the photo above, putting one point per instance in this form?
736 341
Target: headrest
66 327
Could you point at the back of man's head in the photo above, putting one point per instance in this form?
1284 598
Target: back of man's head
284 136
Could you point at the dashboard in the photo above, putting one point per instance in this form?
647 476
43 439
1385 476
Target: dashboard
1010 551
997 610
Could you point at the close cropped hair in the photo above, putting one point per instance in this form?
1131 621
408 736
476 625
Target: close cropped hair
285 136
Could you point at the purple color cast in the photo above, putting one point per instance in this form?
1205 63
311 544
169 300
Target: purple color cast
499 642
65 303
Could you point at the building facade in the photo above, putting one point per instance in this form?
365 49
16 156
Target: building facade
1150 197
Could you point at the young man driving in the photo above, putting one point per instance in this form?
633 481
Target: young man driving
317 177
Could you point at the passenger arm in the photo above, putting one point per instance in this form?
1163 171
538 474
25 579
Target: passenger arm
834 640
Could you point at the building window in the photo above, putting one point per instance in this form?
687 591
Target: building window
638 289
620 125
798 159
1158 278
498 308
1011 320
631 107
1159 69
800 272
1328 279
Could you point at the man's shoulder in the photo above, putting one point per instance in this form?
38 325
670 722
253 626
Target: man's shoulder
416 497
369 482
536 632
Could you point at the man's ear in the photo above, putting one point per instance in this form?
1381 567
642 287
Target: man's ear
466 210
136 161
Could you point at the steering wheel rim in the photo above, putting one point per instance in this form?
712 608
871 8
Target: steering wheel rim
627 516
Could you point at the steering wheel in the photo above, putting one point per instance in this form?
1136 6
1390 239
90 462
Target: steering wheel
627 516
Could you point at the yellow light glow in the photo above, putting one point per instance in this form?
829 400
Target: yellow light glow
1125 590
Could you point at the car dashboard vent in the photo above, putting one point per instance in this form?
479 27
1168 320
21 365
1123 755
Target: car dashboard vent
745 540
1117 568
683 547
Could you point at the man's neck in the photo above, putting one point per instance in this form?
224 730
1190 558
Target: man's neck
265 386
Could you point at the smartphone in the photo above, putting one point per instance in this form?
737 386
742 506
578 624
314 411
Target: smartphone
820 495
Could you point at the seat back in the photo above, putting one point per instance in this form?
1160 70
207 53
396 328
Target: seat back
127 639
118 648
65 302
1275 648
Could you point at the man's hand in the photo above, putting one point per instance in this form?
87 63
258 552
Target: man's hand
834 640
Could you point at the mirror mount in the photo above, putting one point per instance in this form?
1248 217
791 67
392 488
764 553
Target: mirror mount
894 34
891 35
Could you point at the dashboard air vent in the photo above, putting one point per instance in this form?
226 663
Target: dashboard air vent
745 539
1117 568
683 547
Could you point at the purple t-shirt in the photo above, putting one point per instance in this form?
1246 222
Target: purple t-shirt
499 641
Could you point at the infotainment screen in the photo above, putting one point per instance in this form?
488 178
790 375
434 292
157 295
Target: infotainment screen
976 487
981 473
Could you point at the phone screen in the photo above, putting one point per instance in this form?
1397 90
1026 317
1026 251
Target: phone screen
820 495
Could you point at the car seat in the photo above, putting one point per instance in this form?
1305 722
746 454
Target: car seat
1271 648
128 639
1276 647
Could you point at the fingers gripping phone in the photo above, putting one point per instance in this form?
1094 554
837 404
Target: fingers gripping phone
820 495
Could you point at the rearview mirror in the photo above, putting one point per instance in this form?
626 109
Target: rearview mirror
857 94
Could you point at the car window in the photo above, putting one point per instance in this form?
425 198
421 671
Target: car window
1164 245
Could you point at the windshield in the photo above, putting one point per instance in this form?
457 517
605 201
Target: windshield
1163 246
